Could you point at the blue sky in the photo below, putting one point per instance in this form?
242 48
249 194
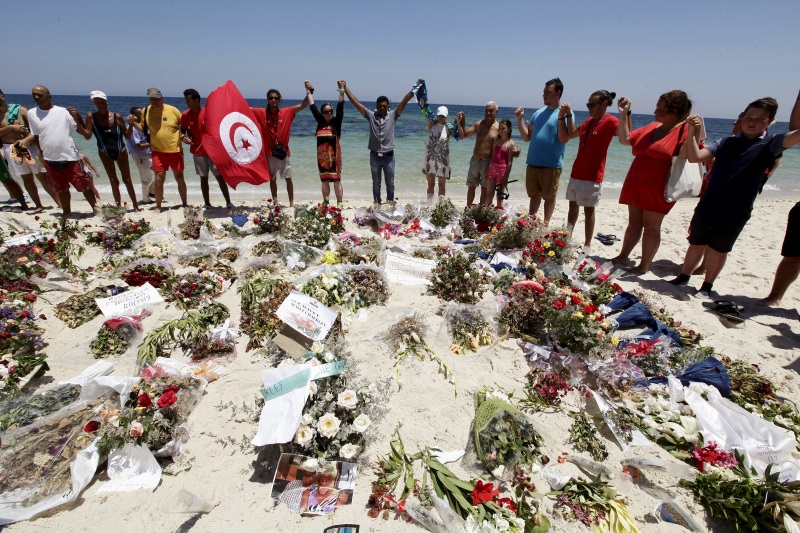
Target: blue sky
724 54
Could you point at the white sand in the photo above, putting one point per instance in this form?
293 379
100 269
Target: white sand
426 409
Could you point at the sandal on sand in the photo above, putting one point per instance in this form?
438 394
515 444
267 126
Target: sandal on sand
726 309
607 240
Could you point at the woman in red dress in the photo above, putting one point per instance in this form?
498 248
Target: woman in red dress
653 146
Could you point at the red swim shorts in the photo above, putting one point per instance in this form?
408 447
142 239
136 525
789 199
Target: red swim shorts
163 161
61 173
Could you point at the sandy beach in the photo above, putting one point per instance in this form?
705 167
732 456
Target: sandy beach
221 466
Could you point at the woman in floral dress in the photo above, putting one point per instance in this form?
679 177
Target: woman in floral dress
437 153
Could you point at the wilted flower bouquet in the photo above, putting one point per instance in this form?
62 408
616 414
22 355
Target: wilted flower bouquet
262 248
120 234
310 228
20 344
153 411
112 211
335 419
80 308
444 213
116 335
189 229
406 338
469 328
456 278
155 272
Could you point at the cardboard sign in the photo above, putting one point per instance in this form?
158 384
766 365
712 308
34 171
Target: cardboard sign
307 316
124 303
401 268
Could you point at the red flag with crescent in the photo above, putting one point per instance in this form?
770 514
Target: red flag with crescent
232 139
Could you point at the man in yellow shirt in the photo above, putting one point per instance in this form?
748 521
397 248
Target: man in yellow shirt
161 124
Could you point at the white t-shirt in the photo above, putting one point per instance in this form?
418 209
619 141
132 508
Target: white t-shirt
54 128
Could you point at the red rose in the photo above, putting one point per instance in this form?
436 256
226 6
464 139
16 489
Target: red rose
541 259
171 388
144 400
30 297
92 426
617 287
255 221
558 303
575 300
167 399
36 217
589 309
42 316
5 335
507 503
522 223
483 492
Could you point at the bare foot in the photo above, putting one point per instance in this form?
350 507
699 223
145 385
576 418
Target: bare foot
639 270
769 301
620 260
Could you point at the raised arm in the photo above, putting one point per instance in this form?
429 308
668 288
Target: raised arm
566 124
402 104
691 150
794 118
307 100
353 100
624 128
524 132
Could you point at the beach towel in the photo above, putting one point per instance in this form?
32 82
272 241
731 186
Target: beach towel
420 92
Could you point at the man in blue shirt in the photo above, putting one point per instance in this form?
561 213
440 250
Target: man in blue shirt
546 153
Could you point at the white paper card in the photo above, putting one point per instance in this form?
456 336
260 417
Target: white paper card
306 315
126 302
408 270
281 417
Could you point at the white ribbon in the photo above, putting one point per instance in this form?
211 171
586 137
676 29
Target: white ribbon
225 332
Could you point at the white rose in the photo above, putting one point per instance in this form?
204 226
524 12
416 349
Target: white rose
286 362
328 425
349 451
317 347
347 400
307 419
329 357
312 388
305 434
361 423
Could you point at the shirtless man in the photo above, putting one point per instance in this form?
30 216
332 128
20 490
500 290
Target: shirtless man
487 131
17 133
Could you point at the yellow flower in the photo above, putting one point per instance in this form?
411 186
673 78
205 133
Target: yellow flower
551 253
577 314
546 244
614 340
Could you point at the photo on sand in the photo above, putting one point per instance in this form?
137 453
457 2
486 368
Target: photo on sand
313 487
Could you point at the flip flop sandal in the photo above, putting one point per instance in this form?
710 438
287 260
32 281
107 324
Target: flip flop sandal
604 239
725 309
17 154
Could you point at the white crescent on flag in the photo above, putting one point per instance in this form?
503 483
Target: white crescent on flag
240 137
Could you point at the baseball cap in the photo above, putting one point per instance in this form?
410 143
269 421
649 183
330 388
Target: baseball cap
442 111
152 92
98 94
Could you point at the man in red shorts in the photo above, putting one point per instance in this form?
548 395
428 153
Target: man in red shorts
52 127
161 123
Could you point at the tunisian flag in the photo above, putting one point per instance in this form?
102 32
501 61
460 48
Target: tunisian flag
232 138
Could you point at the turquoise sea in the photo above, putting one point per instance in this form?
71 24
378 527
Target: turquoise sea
409 150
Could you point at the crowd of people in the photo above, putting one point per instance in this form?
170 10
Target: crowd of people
37 143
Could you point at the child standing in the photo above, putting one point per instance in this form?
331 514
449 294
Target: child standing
500 165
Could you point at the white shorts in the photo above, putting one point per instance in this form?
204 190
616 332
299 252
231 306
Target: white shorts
584 193
203 164
280 166
21 169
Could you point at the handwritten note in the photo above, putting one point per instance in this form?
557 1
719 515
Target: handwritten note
124 303
408 270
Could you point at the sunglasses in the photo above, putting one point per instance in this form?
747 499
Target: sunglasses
273 98
591 105
326 111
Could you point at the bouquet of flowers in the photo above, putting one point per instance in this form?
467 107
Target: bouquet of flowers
523 314
469 329
551 248
189 229
367 286
405 339
504 439
112 211
309 228
116 335
229 254
484 216
545 389
20 344
262 294
671 425
270 220
19 266
153 411
79 309
120 234
335 419
573 320
267 247
455 277
596 504
25 411
190 290
327 213
444 213
329 287
511 234
154 272
157 249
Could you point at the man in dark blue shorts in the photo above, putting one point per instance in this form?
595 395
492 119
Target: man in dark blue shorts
727 203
